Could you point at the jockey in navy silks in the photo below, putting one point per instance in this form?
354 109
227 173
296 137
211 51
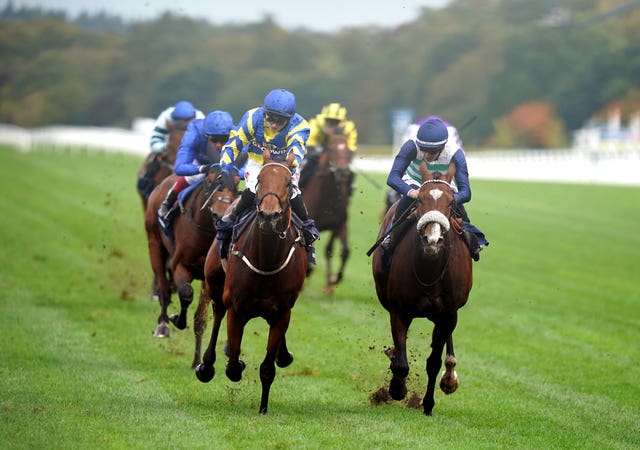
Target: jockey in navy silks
277 128
432 144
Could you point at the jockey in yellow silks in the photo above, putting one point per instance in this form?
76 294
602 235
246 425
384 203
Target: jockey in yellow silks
277 128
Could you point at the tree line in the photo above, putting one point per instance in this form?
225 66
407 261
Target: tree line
530 74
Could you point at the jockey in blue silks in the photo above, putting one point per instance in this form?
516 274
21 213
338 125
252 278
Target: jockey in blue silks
200 147
432 144
275 127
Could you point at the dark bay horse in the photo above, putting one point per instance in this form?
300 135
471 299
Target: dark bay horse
265 272
158 166
430 275
193 231
327 196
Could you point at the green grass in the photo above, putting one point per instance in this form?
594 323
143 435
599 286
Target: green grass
547 346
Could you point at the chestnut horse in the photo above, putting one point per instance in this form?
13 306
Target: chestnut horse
327 196
192 233
265 272
159 164
430 276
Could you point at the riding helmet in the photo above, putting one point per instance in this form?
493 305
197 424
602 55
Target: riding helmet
218 123
432 134
183 110
334 111
280 102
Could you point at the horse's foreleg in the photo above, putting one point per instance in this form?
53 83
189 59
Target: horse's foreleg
277 332
235 329
328 255
185 293
399 364
206 371
344 254
449 381
441 332
200 324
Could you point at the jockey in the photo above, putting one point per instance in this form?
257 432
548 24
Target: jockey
179 116
437 145
275 127
199 149
332 120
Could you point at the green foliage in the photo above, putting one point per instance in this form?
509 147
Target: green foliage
482 58
546 345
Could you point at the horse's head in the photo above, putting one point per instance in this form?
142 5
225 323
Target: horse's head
337 158
273 191
221 190
434 208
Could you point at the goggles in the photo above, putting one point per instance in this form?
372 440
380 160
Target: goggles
431 150
275 118
223 138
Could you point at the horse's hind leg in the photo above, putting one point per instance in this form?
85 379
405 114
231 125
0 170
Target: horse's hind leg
185 293
284 358
200 324
441 332
206 371
399 364
328 254
277 333
344 253
449 381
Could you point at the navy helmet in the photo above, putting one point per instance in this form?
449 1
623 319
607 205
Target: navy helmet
183 110
280 102
432 135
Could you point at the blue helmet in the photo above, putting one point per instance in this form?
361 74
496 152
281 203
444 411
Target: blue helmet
183 110
432 135
280 102
218 123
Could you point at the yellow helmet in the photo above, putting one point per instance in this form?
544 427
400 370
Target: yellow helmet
334 111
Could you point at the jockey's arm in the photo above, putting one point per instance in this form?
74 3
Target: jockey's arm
402 160
462 177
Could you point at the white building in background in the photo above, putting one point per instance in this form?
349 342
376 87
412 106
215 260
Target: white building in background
610 135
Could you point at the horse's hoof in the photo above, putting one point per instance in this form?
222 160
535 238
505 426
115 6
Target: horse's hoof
285 359
449 383
234 371
397 388
162 331
204 373
428 405
179 324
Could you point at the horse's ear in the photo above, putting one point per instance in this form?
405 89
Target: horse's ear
289 161
424 172
451 172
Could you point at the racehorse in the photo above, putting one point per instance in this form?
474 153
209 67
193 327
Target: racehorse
429 275
265 272
192 232
327 196
158 166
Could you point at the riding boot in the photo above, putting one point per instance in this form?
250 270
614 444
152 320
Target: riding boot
472 242
309 230
398 229
165 207
224 226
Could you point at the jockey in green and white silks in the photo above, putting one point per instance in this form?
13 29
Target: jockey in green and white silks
432 144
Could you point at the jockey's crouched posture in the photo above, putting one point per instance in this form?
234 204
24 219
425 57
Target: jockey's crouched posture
199 149
275 127
433 145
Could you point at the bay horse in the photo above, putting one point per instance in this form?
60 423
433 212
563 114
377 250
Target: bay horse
265 272
159 164
327 196
430 276
192 232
